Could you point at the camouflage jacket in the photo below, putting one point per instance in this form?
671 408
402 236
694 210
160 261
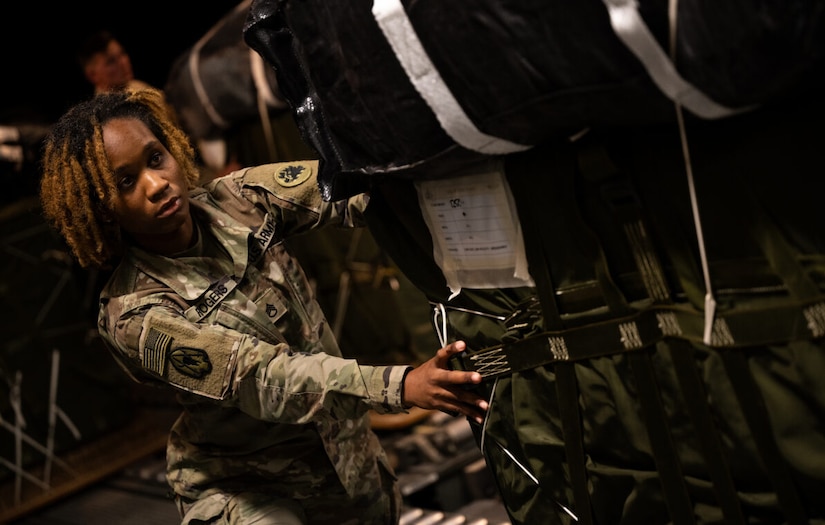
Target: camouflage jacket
267 395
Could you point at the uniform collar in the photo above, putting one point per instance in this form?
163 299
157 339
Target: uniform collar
191 280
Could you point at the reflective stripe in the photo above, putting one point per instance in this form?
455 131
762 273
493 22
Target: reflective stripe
399 32
633 32
194 70
264 91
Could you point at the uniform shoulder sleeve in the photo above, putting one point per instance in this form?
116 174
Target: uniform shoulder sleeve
158 342
197 358
295 182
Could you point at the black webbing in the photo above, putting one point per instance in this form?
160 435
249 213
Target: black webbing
620 198
705 429
784 259
664 452
756 415
567 391
521 177
744 329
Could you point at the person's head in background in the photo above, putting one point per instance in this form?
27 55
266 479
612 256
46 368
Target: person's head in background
106 64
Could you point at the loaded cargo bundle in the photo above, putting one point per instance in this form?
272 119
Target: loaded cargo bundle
648 174
389 86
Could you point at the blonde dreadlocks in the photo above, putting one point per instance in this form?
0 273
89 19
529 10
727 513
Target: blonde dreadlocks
77 186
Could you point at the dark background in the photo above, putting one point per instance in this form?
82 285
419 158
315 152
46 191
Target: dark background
40 77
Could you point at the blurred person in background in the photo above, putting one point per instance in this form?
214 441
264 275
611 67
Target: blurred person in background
106 64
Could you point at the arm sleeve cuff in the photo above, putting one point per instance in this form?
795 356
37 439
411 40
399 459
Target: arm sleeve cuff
385 387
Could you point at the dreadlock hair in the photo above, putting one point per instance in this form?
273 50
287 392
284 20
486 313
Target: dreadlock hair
77 186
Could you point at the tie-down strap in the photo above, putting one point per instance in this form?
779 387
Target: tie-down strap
735 329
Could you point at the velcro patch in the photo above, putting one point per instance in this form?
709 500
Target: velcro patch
292 174
295 182
192 362
201 357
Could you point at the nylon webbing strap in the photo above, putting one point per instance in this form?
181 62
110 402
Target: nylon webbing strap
401 36
567 390
789 322
707 434
756 415
622 201
661 443
631 29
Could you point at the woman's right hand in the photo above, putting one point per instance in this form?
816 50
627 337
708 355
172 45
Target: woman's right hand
433 385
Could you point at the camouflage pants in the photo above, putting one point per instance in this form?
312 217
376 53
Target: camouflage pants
247 507
331 506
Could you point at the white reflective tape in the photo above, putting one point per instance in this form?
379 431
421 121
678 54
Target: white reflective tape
633 32
194 70
261 82
399 32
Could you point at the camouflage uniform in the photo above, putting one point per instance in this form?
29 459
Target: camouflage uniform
272 412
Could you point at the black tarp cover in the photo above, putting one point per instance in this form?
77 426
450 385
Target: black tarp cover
525 71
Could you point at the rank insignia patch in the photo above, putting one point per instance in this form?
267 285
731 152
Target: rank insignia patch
293 174
191 362
154 350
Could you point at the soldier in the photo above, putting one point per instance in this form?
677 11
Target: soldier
205 297
106 64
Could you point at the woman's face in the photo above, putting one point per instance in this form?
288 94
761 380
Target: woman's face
152 203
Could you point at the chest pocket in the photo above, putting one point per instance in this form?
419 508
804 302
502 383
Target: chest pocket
258 317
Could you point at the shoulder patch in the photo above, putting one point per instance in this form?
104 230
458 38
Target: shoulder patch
294 182
192 362
197 358
292 174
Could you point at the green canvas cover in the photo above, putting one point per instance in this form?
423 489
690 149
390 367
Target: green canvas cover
652 426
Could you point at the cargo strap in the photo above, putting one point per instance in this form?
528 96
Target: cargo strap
695 395
737 329
671 476
757 417
567 389
801 316
401 35
620 197
631 29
